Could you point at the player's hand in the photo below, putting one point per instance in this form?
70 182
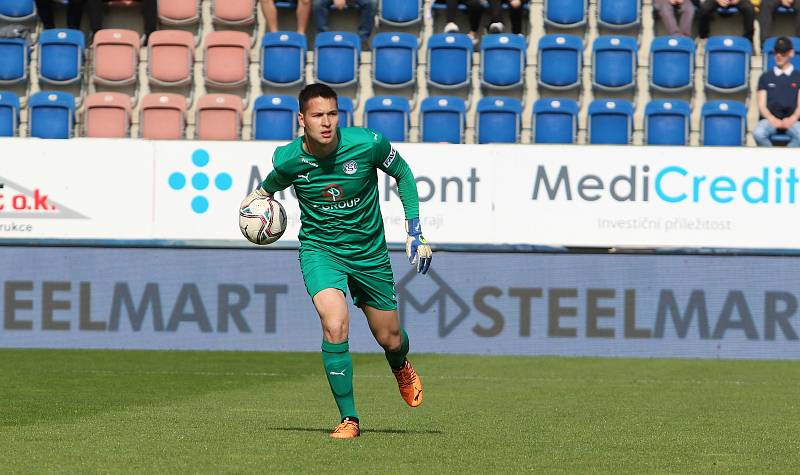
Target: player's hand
775 122
417 249
254 195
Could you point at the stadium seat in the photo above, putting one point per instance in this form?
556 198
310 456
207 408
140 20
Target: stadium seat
443 119
233 12
219 117
768 53
275 117
14 57
619 14
336 58
345 111
560 59
283 59
610 121
170 57
16 11
614 63
400 12
51 115
116 57
727 63
723 123
555 121
162 116
108 114
394 59
61 54
449 60
226 59
666 122
502 61
389 115
179 12
498 120
565 13
672 63
9 114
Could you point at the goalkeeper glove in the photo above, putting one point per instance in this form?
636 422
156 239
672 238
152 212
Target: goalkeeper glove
417 249
254 195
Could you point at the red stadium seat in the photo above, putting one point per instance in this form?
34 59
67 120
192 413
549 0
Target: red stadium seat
162 116
226 59
179 12
219 117
116 57
108 114
233 12
171 57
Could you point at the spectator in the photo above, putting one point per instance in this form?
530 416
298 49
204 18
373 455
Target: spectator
778 98
670 10
514 14
94 9
366 18
271 14
746 10
768 11
474 10
74 13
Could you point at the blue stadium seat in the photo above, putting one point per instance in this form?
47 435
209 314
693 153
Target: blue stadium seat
565 13
610 121
498 120
619 14
51 115
727 63
283 58
555 121
723 123
768 52
560 58
666 122
389 115
9 114
394 59
443 119
502 61
275 117
336 58
672 63
449 60
14 56
16 11
345 111
400 12
614 63
61 54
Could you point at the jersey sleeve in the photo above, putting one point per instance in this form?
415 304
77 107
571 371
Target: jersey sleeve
275 180
389 160
762 82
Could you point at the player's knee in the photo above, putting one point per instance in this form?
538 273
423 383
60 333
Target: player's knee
390 341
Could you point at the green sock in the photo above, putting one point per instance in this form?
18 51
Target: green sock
339 371
397 358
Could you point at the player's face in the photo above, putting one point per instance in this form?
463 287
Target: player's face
320 120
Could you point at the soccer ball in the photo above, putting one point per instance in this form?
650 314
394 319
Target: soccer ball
262 220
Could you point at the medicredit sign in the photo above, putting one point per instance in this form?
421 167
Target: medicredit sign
594 196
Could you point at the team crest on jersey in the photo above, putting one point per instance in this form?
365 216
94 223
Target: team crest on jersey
350 167
389 158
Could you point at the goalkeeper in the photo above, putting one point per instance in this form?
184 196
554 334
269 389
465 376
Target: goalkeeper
342 242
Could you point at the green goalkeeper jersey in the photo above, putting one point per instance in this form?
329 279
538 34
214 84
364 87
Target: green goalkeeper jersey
338 194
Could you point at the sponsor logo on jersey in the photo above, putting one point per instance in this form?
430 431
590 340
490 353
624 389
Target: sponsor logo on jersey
350 167
333 192
389 158
305 176
352 203
305 160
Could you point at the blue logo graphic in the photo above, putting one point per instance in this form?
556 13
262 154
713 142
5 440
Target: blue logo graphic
200 181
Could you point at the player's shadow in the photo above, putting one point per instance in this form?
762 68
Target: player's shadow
380 431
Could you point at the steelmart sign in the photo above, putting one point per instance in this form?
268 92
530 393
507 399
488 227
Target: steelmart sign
526 304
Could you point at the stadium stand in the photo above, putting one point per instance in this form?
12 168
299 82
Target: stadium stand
163 116
219 117
51 115
16 11
389 115
275 117
449 60
443 119
14 58
337 58
499 120
723 123
394 60
107 114
400 12
672 63
565 13
560 61
233 12
226 59
727 63
115 57
179 12
502 61
614 61
669 121
170 58
768 53
9 114
555 121
61 55
346 111
610 122
619 14
283 59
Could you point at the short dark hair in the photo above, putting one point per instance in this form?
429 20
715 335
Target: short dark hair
313 91
783 45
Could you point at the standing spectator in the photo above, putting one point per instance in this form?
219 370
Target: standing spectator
746 10
768 11
74 13
778 98
670 10
271 14
365 22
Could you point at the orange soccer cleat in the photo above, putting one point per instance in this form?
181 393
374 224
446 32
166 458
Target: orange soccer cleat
409 383
348 429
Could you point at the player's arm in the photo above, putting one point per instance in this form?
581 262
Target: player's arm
389 160
274 182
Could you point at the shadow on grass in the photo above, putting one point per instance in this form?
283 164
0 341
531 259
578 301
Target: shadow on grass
380 431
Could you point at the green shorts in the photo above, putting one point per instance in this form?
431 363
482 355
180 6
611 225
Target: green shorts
370 282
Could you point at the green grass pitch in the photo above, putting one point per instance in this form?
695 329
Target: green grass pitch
231 412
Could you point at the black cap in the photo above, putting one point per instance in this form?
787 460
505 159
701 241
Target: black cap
783 45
